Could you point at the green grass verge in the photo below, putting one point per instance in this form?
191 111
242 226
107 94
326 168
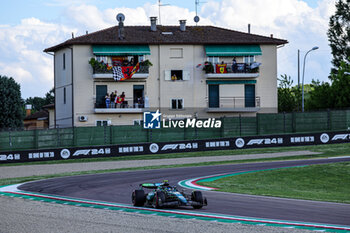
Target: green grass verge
18 180
327 150
326 182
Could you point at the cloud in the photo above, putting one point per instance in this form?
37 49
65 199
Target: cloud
304 27
22 57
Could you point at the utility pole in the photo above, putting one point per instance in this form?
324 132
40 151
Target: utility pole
298 69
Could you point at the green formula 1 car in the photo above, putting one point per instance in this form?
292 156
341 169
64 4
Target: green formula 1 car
164 195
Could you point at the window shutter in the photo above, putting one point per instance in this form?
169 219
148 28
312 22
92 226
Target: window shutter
186 75
167 75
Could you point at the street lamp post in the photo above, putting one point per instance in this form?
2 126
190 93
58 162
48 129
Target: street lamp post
302 92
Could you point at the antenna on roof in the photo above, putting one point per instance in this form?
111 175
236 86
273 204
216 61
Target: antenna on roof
160 5
196 18
120 18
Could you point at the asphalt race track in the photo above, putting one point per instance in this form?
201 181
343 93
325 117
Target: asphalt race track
117 187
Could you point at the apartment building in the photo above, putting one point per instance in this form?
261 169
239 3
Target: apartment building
198 71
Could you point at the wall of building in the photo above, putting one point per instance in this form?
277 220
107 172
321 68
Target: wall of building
158 89
63 88
266 84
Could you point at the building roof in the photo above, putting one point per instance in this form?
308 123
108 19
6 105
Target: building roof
168 35
38 115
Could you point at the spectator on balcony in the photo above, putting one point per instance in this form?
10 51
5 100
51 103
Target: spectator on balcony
234 65
112 97
108 100
131 62
123 102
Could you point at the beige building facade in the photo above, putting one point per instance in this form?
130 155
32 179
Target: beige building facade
230 76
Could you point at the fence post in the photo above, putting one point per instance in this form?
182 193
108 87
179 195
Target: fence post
36 139
284 122
223 126
240 125
111 134
75 136
58 137
329 120
257 124
105 134
294 122
10 139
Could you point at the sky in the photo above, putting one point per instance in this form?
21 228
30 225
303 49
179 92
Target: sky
27 30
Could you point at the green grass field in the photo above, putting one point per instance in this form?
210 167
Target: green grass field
327 182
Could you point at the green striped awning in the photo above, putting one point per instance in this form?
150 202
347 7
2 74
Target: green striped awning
232 50
120 50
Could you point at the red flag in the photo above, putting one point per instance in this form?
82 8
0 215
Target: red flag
129 71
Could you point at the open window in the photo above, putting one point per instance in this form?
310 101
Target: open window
177 104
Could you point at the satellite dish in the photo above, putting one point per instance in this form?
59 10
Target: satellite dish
120 17
196 19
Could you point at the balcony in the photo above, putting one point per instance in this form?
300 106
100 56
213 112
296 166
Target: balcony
105 73
127 106
233 104
228 70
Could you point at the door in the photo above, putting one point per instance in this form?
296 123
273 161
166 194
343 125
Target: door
101 91
214 96
138 96
249 96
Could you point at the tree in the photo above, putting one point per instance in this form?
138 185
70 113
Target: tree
288 97
11 114
38 102
321 96
341 86
339 33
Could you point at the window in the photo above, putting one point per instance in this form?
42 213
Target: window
177 103
101 123
64 95
64 61
176 53
213 60
173 75
249 59
137 122
176 75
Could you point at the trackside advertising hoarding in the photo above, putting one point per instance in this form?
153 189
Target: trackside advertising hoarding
175 147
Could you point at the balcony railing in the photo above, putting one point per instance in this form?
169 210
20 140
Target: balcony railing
233 104
224 68
144 69
128 103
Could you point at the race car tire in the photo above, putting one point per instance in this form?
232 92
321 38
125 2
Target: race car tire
138 197
197 197
159 199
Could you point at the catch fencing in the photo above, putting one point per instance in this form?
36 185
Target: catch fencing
261 124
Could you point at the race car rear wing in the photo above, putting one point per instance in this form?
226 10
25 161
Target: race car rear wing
150 185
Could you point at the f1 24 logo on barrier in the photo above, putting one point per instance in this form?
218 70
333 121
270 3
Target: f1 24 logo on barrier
265 141
151 120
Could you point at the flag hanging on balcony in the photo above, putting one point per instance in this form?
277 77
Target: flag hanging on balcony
121 73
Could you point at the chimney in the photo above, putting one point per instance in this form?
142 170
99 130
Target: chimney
121 33
271 35
153 24
182 25
28 109
249 28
